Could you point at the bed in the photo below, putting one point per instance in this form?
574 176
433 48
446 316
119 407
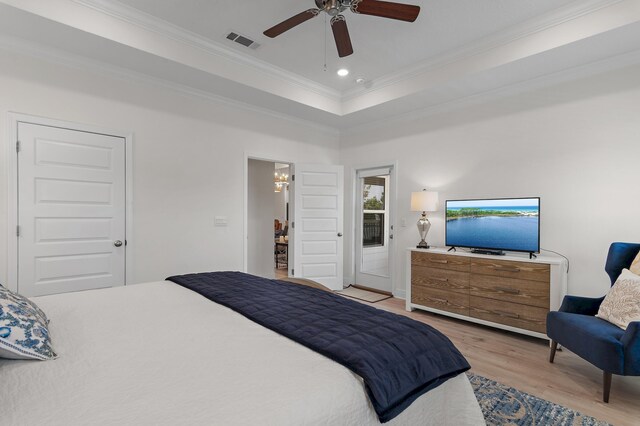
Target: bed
161 354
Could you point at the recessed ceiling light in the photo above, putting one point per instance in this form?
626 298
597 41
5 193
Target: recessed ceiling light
343 72
360 80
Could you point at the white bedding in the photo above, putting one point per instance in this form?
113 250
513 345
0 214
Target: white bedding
159 354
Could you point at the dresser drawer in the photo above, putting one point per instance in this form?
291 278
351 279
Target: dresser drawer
511 269
449 301
440 261
526 292
444 279
512 314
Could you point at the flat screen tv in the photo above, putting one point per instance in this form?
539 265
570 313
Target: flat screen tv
511 224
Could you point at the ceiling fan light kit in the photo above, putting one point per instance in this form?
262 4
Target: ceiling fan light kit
334 8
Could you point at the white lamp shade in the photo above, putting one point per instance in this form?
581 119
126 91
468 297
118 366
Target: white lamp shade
424 201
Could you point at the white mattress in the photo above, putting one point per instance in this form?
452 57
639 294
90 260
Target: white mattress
159 354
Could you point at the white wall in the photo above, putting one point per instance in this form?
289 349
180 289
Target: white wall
259 222
189 159
576 145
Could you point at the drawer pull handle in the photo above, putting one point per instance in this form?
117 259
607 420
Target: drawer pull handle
508 290
442 280
443 262
507 314
439 300
506 268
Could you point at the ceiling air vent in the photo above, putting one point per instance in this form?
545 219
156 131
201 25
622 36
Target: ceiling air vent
240 39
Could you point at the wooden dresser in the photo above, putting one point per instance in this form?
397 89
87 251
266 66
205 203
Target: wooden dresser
509 292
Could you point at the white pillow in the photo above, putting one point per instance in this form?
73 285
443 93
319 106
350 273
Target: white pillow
621 306
23 328
635 266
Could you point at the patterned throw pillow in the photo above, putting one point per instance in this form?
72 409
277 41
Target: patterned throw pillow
621 306
23 329
635 266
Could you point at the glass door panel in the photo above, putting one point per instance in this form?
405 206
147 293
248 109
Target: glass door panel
375 226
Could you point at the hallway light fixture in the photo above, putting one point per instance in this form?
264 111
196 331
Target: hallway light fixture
280 181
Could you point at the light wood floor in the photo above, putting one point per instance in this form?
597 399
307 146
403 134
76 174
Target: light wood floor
522 362
280 273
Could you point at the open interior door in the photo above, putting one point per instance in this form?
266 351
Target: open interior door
317 223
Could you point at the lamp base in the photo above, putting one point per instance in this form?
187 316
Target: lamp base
423 228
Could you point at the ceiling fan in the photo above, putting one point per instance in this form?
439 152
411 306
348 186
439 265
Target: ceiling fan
334 8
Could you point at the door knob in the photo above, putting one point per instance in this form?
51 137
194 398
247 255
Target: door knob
117 243
339 234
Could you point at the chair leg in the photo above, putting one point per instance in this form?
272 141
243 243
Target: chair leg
607 386
552 353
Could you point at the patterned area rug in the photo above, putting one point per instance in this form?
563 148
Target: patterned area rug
503 405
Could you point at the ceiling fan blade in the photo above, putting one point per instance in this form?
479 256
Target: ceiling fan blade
341 35
385 9
294 21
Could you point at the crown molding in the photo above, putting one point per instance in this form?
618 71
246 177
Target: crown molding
133 16
342 103
60 57
569 74
528 28
41 52
344 124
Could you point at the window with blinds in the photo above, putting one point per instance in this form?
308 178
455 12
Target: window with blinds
373 211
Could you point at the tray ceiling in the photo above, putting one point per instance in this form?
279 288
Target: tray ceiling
382 46
457 52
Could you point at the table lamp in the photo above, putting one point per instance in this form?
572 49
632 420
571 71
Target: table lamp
424 201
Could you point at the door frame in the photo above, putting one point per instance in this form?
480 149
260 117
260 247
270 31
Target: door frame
393 205
13 119
249 155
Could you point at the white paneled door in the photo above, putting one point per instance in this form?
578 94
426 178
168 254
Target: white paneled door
71 210
318 217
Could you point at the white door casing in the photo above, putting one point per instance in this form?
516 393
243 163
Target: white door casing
318 217
71 210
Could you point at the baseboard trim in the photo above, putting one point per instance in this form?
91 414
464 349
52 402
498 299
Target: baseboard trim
400 294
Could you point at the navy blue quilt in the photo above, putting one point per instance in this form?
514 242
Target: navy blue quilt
398 358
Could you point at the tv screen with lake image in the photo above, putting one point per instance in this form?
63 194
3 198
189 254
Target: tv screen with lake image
502 224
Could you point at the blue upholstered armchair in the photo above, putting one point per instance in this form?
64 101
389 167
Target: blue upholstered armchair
604 345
